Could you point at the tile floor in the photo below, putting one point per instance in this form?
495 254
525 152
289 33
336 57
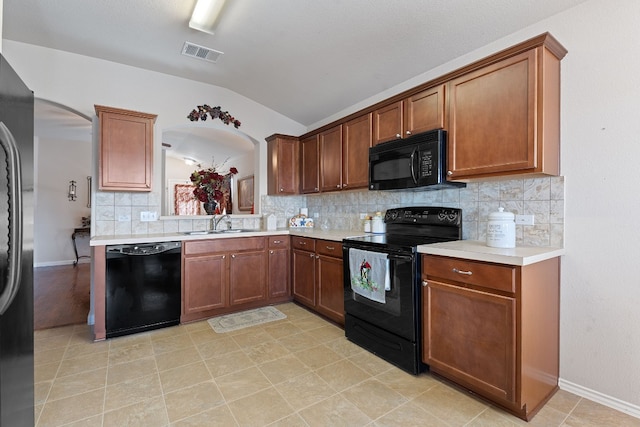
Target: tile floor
300 371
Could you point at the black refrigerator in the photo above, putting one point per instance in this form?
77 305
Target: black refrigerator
16 250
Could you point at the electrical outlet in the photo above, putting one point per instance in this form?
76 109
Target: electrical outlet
148 216
524 219
124 218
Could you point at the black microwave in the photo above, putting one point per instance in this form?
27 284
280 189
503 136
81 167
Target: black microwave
414 163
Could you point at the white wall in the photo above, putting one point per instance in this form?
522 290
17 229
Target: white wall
600 297
57 163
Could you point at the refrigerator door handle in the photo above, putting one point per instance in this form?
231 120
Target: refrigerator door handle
14 183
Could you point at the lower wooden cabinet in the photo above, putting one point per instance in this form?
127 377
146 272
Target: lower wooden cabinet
493 329
279 282
224 275
318 276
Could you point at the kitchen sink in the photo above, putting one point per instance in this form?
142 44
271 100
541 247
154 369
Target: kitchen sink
204 232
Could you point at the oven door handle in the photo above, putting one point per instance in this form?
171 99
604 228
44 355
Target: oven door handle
400 257
412 160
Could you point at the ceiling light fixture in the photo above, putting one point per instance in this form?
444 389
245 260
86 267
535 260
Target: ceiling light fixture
205 14
189 161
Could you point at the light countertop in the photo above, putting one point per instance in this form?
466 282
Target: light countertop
479 251
335 235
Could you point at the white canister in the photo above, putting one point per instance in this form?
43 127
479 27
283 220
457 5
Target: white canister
377 223
501 229
272 222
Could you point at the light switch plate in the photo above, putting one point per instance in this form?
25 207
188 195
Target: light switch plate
524 220
148 216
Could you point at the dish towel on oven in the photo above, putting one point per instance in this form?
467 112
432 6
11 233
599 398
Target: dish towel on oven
369 274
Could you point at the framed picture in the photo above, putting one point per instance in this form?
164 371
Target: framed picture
245 193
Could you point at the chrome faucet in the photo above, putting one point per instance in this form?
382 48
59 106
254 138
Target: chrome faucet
215 222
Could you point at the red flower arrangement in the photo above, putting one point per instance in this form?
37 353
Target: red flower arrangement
215 112
210 184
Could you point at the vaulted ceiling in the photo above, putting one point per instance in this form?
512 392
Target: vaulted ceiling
306 59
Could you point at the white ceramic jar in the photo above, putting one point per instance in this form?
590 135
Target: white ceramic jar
377 224
501 229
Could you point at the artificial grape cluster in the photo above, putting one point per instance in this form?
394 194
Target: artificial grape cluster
215 112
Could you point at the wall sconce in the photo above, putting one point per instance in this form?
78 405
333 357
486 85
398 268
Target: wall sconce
72 191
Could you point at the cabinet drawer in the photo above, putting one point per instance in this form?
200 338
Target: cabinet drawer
329 248
491 276
278 242
224 245
303 243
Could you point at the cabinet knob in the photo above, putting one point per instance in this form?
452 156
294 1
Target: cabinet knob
466 273
281 190
271 252
317 256
312 255
449 173
425 283
224 256
316 189
398 135
408 132
233 255
338 186
344 185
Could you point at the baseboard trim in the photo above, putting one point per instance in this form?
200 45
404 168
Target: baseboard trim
59 263
603 399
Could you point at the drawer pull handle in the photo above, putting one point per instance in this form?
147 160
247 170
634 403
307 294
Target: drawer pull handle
277 241
468 273
331 248
303 243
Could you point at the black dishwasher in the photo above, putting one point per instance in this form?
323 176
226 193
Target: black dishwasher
143 287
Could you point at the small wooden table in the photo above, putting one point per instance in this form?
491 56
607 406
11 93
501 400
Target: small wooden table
83 231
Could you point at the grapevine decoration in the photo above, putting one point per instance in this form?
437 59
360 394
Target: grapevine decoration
215 112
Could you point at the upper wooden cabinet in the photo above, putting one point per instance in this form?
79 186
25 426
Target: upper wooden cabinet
417 113
126 149
282 165
309 174
356 141
504 118
330 146
387 123
424 111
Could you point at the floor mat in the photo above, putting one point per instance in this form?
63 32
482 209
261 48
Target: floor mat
245 319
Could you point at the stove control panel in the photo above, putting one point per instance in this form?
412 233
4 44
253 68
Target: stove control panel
424 215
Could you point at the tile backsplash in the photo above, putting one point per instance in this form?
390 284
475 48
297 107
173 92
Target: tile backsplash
541 197
119 213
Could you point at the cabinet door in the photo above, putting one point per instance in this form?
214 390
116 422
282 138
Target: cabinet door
330 287
309 160
330 143
356 141
205 283
279 273
469 336
304 274
492 119
387 123
247 277
424 111
282 165
126 149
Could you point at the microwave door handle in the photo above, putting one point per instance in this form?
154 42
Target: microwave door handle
412 161
14 184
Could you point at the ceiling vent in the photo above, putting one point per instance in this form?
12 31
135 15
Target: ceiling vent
200 52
